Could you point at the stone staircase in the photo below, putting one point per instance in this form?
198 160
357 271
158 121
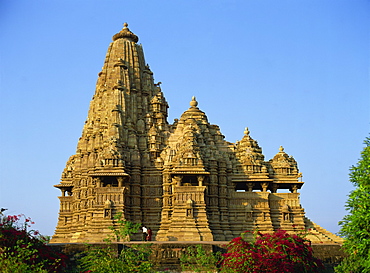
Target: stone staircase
319 235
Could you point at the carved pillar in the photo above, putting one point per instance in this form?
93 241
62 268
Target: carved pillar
293 188
250 187
214 214
136 194
98 182
166 213
264 186
120 182
274 188
200 180
177 179
223 201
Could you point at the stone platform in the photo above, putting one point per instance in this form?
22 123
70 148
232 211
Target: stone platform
166 255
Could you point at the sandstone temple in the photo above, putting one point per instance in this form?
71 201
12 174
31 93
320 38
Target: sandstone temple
183 180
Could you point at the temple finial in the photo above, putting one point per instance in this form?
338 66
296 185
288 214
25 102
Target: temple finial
281 149
246 131
193 102
126 34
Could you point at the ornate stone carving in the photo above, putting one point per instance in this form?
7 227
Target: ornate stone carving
184 180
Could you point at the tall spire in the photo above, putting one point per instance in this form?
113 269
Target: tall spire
114 143
121 111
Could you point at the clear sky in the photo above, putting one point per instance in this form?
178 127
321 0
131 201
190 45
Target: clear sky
295 72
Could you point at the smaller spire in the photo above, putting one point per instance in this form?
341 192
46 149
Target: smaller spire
281 149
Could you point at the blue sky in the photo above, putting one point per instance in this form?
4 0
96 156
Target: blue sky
295 72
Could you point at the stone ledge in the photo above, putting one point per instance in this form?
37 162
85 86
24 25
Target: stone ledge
166 255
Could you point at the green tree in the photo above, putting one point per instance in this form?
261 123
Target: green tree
123 230
106 260
134 258
355 226
197 259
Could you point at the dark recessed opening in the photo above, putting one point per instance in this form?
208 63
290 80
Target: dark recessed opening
189 180
110 182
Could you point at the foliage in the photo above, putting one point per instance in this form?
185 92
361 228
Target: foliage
107 260
11 262
124 230
355 226
197 259
26 251
277 252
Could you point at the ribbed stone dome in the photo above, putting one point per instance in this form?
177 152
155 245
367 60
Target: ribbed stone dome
126 33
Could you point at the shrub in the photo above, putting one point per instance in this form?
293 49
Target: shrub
197 259
108 260
26 251
274 253
123 229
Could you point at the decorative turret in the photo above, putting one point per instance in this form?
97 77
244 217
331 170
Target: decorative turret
194 112
250 155
194 143
285 171
282 164
195 157
251 172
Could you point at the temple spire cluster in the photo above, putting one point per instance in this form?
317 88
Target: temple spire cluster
183 180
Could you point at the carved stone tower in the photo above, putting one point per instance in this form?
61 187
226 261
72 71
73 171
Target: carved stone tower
184 181
114 168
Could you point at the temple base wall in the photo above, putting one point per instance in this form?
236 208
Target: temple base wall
166 255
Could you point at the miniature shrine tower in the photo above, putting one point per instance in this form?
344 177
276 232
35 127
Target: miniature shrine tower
183 180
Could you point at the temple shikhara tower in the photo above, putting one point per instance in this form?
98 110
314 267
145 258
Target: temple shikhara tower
183 180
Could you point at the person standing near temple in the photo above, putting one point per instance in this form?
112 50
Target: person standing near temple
145 233
149 236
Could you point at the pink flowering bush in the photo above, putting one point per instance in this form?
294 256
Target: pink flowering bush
273 253
23 250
